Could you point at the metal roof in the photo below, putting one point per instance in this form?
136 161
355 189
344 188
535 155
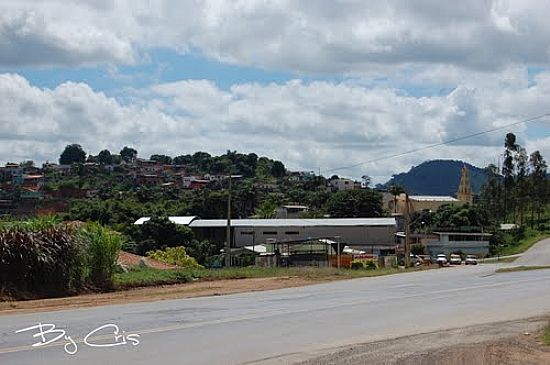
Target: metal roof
178 220
334 222
433 198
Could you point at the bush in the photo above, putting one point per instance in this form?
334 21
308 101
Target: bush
175 256
361 265
158 233
370 265
101 253
202 250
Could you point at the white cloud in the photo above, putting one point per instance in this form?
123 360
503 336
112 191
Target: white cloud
306 125
342 37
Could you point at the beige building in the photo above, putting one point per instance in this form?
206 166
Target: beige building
418 203
342 184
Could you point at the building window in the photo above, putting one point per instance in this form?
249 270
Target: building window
292 232
270 233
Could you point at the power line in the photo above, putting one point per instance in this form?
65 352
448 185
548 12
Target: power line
533 119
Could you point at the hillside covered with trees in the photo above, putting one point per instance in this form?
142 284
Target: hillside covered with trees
437 177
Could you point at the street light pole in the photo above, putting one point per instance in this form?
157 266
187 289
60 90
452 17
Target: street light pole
228 228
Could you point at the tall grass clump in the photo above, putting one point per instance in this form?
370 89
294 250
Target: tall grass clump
44 258
39 258
101 253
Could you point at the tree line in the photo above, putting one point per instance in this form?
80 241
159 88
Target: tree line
520 191
198 163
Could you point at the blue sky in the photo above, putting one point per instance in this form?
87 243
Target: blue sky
321 86
158 66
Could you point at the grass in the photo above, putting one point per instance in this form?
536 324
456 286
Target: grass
524 244
498 260
145 276
522 268
546 335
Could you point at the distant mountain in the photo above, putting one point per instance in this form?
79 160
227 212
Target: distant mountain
437 177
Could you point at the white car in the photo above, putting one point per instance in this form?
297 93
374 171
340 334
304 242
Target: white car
455 259
470 260
441 259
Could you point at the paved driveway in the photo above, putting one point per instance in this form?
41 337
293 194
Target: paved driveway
538 255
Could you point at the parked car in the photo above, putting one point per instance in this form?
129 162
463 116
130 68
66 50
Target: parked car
426 259
470 260
441 259
455 259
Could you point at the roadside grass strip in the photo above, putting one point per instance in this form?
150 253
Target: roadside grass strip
522 268
546 335
140 277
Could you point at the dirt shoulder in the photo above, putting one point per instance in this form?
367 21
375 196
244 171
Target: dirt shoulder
505 343
178 291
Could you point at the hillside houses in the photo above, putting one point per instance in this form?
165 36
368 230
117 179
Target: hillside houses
52 183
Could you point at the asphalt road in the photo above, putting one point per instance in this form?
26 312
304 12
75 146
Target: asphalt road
538 255
283 326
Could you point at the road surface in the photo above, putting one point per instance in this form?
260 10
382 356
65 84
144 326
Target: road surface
283 326
538 255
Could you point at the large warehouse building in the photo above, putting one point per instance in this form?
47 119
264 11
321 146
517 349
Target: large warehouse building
373 235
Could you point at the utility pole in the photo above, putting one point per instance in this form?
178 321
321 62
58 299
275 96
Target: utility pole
407 232
339 254
228 229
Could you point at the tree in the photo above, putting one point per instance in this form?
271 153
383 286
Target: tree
454 217
116 159
355 204
366 181
72 153
267 210
491 194
128 154
278 169
539 182
159 232
167 160
522 181
104 157
508 169
182 160
395 190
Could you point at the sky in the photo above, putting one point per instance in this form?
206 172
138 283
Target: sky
319 85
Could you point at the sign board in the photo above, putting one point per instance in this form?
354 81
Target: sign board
365 257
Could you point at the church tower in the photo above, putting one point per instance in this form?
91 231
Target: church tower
465 189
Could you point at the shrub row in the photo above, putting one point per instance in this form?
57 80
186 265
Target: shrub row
44 258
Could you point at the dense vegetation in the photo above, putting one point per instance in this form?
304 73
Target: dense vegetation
43 257
263 185
520 192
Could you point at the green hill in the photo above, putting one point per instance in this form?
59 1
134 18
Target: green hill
437 177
